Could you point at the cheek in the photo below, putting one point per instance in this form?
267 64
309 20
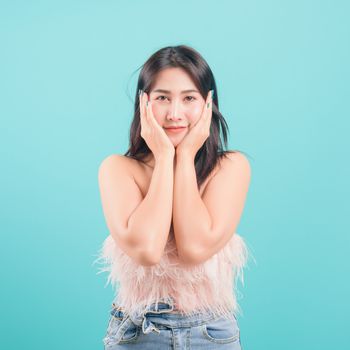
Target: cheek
158 113
156 109
196 110
194 113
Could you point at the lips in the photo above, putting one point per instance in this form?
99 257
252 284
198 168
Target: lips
175 127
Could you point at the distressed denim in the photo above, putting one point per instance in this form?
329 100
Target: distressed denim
156 328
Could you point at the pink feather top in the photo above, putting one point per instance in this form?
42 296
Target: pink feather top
208 286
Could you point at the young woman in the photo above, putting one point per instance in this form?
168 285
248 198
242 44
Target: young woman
172 203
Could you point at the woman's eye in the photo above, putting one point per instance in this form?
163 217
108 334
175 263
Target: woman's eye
159 97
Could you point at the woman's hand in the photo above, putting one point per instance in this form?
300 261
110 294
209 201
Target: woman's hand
154 135
197 135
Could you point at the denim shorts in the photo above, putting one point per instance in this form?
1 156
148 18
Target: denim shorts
158 328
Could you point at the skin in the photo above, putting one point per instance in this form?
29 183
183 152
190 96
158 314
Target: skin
175 107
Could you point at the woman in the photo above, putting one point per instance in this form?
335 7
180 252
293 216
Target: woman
172 203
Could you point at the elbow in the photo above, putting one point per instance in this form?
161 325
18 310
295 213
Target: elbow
142 248
151 252
189 257
146 259
136 250
141 253
194 254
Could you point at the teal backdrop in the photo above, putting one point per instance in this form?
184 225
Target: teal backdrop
68 72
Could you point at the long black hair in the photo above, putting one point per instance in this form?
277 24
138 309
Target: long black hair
187 58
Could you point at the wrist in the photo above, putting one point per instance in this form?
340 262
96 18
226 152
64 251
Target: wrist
165 156
184 155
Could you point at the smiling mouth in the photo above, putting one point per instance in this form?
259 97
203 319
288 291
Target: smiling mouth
177 129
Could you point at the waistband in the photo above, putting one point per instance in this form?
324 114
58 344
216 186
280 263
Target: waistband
161 315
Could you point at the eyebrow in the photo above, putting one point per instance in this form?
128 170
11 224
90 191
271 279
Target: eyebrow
168 92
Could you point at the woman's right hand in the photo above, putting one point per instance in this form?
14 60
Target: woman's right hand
154 135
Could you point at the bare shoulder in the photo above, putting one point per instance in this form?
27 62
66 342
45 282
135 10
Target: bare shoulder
110 160
237 162
116 160
233 169
238 158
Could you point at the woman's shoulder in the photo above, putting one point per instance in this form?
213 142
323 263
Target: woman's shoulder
235 159
131 165
115 160
235 155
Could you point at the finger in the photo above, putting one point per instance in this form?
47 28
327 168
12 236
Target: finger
148 108
209 106
208 101
150 115
146 103
207 113
209 117
141 107
144 118
204 114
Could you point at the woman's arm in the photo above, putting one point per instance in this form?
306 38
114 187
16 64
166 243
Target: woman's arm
150 222
140 226
202 226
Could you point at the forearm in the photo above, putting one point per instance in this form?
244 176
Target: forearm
191 218
150 222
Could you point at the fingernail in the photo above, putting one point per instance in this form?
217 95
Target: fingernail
212 93
139 92
147 103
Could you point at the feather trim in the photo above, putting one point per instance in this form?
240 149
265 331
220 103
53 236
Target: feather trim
206 287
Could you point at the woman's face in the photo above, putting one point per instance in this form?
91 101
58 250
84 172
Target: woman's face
173 104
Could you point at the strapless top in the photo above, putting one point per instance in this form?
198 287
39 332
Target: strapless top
210 286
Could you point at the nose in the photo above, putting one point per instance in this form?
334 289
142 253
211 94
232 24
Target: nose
174 111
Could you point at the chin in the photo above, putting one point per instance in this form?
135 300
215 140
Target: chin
176 143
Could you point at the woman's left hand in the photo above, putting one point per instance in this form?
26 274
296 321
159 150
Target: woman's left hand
197 135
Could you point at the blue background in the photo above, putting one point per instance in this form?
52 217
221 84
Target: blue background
68 78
